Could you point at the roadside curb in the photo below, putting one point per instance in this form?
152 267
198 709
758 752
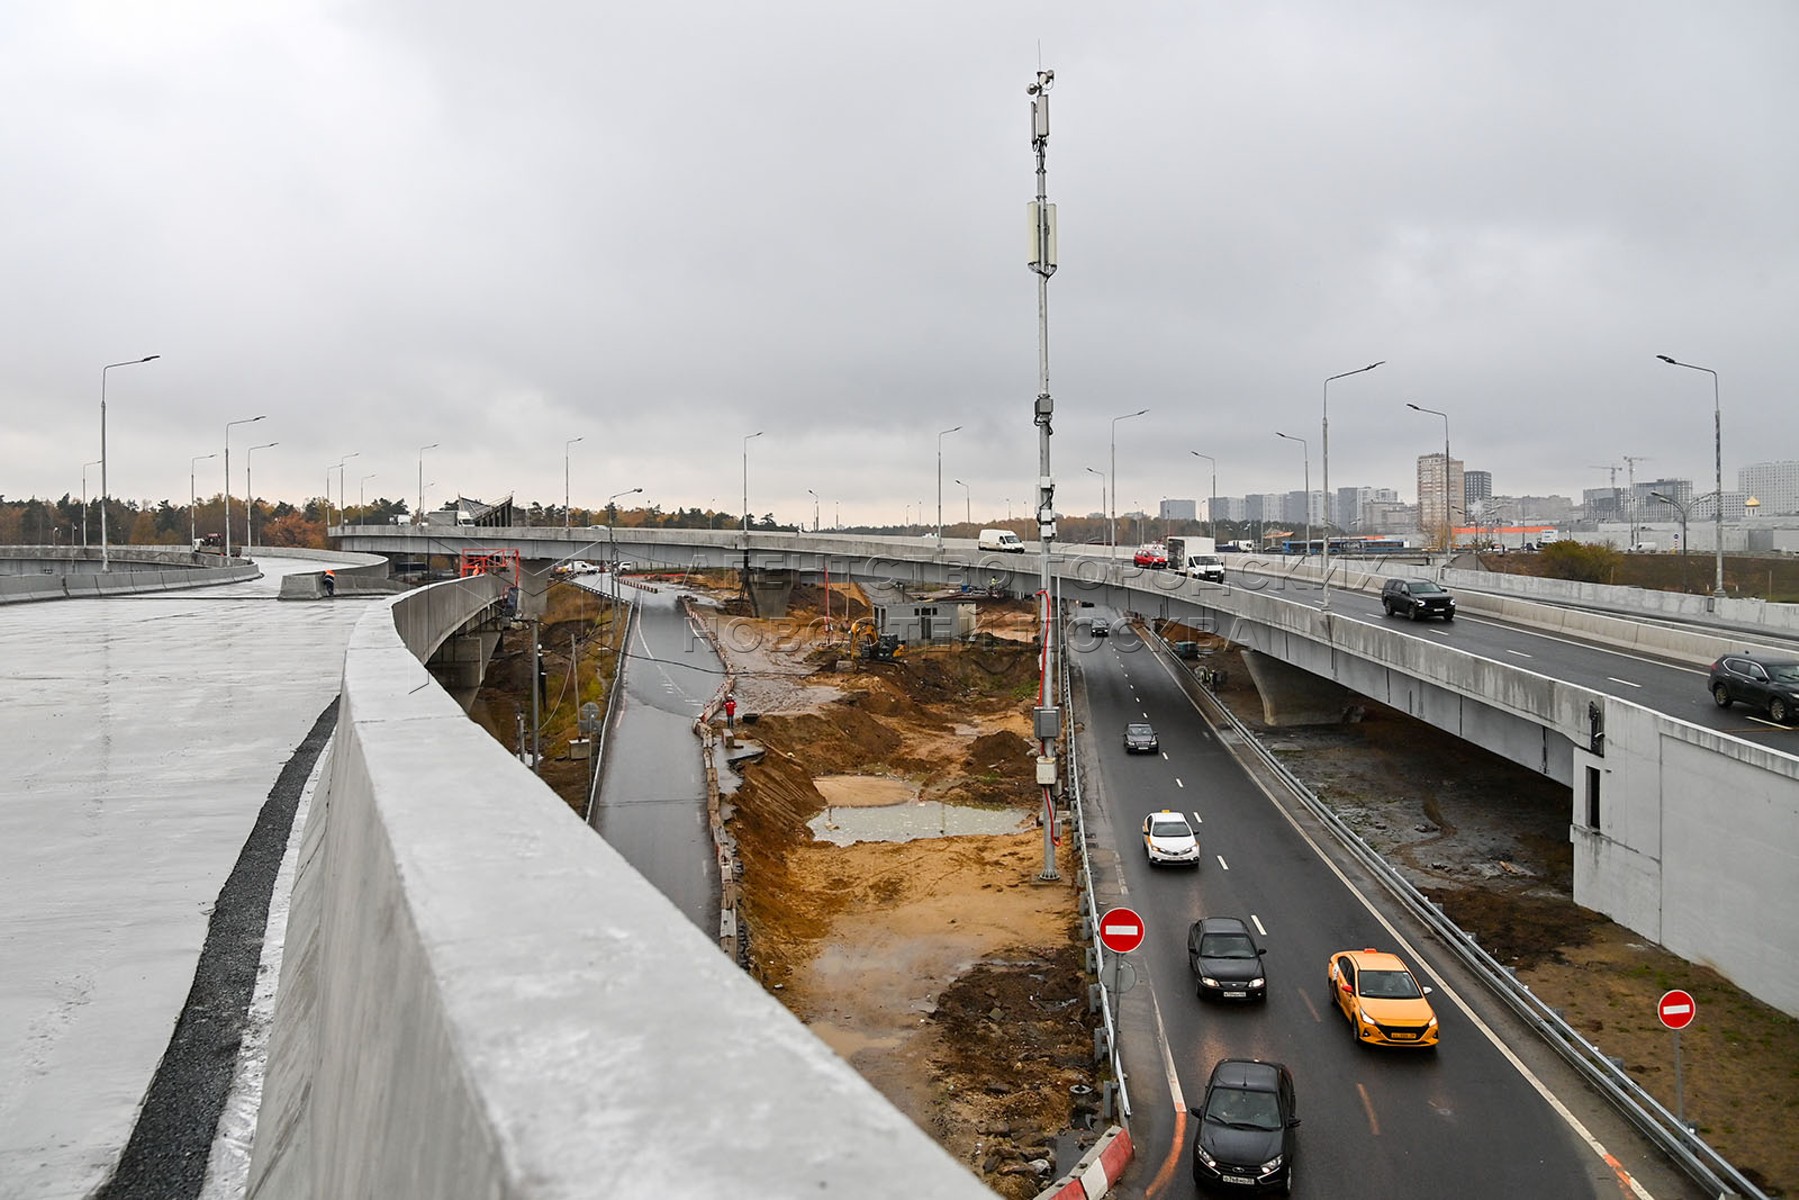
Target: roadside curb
1098 1170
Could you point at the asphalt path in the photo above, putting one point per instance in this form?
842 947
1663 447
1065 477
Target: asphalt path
1676 689
1465 1120
652 802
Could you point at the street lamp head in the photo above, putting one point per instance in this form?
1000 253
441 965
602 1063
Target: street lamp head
1666 359
1373 365
150 358
1412 406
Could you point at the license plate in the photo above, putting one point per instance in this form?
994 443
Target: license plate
1236 995
1403 1037
1237 1178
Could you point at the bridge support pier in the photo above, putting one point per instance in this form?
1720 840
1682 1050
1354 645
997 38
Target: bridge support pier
769 590
1291 696
460 664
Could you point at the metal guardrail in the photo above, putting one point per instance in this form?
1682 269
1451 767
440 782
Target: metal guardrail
1088 905
1698 1159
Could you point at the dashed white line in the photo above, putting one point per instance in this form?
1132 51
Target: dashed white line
1222 863
1197 819
1179 784
1257 922
1519 653
1625 682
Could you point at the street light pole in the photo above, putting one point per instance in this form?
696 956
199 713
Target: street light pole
1305 451
1682 509
1212 511
1112 513
228 425
747 438
362 503
1326 602
940 436
250 496
612 541
565 447
1717 463
967 504
1448 519
1105 490
340 490
84 467
105 492
814 496
420 517
193 528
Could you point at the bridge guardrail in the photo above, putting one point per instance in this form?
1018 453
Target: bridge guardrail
1691 1152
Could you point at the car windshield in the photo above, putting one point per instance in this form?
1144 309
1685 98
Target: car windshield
1242 1109
1425 588
1390 985
1138 730
1783 672
1169 827
1226 945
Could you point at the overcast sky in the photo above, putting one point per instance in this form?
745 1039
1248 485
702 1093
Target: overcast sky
661 227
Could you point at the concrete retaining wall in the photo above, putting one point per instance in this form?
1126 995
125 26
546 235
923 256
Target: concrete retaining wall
482 999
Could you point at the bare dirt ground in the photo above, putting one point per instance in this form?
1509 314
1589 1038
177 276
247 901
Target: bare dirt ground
939 968
1489 841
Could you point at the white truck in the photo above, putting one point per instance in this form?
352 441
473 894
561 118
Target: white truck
1196 557
1002 540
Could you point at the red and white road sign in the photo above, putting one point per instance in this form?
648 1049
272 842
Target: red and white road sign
1121 930
1676 1009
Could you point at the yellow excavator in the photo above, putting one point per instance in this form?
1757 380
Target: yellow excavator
866 644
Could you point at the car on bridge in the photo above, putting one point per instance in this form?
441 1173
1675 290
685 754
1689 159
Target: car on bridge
1381 1000
1417 599
1152 555
1246 1140
1167 838
1226 962
1763 681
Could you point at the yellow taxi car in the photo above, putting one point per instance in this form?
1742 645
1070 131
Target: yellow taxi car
1382 1002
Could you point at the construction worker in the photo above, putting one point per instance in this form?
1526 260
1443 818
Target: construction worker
330 583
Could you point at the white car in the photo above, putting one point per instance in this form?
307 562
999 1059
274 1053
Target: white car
1167 838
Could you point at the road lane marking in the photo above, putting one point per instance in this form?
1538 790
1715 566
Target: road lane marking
1312 1008
1625 1178
1368 1107
1178 783
1222 863
1196 818
1258 924
1625 682
1519 653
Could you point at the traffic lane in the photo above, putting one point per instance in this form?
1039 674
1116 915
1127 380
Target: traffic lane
1255 866
652 802
1675 689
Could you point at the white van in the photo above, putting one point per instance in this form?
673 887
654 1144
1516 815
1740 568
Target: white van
1002 540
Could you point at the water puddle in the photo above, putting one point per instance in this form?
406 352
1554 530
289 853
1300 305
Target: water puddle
911 821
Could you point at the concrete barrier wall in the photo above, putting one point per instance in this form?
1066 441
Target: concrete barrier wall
1694 846
482 999
18 588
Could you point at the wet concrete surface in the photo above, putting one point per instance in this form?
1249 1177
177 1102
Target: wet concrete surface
144 736
652 801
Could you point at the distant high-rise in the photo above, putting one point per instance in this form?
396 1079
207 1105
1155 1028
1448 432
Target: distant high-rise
1476 487
1440 486
1179 510
1775 484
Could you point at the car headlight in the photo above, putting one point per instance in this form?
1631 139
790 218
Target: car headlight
1433 1023
1257 982
1364 1017
1208 981
1273 1164
1199 1152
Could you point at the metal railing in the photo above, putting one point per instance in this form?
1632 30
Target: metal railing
1690 1152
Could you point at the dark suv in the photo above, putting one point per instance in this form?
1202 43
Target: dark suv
1762 680
1417 599
1246 1139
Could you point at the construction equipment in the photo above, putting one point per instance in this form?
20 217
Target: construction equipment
871 646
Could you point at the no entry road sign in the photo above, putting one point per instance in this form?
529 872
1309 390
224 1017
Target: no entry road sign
1121 930
1676 1009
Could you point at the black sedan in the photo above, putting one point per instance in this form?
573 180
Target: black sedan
1140 736
1246 1139
1225 959
1760 680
